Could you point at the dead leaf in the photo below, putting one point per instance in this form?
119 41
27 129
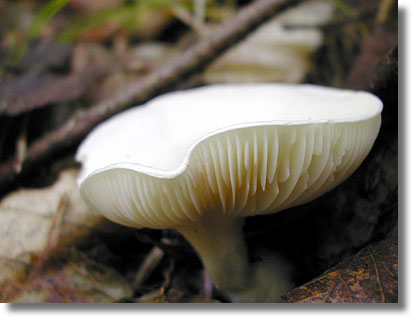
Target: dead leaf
26 218
68 276
36 264
45 201
12 270
12 274
371 276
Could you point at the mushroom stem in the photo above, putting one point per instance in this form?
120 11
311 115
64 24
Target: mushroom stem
220 244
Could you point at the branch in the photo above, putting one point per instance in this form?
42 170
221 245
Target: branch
188 63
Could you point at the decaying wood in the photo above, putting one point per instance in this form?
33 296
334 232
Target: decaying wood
189 62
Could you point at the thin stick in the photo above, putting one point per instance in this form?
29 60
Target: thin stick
151 261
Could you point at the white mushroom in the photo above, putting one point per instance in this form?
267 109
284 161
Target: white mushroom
202 160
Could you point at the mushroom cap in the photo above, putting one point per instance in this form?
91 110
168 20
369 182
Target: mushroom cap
225 150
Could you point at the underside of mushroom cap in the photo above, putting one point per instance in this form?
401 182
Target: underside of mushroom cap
227 150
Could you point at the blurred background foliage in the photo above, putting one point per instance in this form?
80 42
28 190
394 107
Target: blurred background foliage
68 20
127 23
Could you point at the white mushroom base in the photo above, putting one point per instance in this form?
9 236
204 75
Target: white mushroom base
220 244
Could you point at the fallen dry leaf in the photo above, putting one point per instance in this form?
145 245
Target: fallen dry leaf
45 201
12 270
67 276
371 276
37 261
26 218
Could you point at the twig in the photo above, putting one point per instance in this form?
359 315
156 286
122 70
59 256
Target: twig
186 17
54 234
151 261
200 11
167 283
378 277
21 146
189 62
